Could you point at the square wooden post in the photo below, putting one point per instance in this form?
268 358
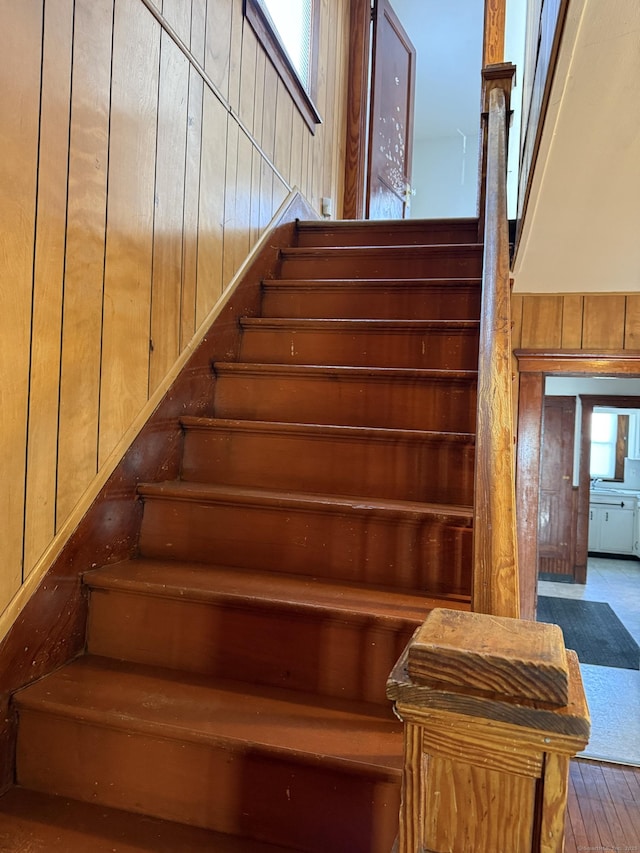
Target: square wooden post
494 710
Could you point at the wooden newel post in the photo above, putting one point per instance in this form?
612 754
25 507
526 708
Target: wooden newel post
494 710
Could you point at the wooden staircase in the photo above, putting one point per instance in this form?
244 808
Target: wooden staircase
232 693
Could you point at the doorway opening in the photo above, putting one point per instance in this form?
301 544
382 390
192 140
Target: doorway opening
607 577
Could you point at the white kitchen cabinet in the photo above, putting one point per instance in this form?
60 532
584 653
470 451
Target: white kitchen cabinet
612 526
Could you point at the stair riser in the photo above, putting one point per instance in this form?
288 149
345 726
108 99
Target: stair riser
353 301
391 402
433 349
374 234
369 547
368 264
318 651
242 791
417 471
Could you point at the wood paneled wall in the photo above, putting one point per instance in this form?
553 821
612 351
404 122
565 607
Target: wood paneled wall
589 322
144 147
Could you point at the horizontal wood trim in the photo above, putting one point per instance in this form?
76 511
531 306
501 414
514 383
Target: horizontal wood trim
577 361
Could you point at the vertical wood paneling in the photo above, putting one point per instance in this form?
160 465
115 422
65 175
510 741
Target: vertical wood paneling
258 94
149 196
166 297
306 171
572 307
268 139
20 64
211 214
191 208
243 200
283 131
603 323
84 259
40 509
542 321
257 165
255 224
129 249
198 30
217 43
269 101
230 226
298 128
235 54
632 323
178 15
516 320
248 77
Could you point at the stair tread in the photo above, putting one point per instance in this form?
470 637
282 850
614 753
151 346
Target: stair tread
411 374
198 709
204 582
301 500
33 821
357 433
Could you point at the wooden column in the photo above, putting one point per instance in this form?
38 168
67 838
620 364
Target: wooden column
494 709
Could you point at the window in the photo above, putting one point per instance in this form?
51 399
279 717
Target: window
604 436
288 31
611 443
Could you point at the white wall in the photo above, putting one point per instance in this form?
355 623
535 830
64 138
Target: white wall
445 176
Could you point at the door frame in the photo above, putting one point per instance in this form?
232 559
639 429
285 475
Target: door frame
533 367
360 82
358 85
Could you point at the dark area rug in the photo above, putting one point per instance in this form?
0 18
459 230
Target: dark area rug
592 630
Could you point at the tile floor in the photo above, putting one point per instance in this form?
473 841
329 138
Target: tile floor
613 694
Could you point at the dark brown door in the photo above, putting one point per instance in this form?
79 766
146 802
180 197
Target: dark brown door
556 520
391 117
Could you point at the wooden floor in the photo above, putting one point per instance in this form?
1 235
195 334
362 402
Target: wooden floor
604 808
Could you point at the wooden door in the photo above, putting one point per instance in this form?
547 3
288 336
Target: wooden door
556 519
390 117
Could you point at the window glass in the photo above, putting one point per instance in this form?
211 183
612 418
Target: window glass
604 434
292 20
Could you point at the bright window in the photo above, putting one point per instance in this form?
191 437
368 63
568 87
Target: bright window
292 20
604 435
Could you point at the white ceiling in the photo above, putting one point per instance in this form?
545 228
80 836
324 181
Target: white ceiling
448 40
